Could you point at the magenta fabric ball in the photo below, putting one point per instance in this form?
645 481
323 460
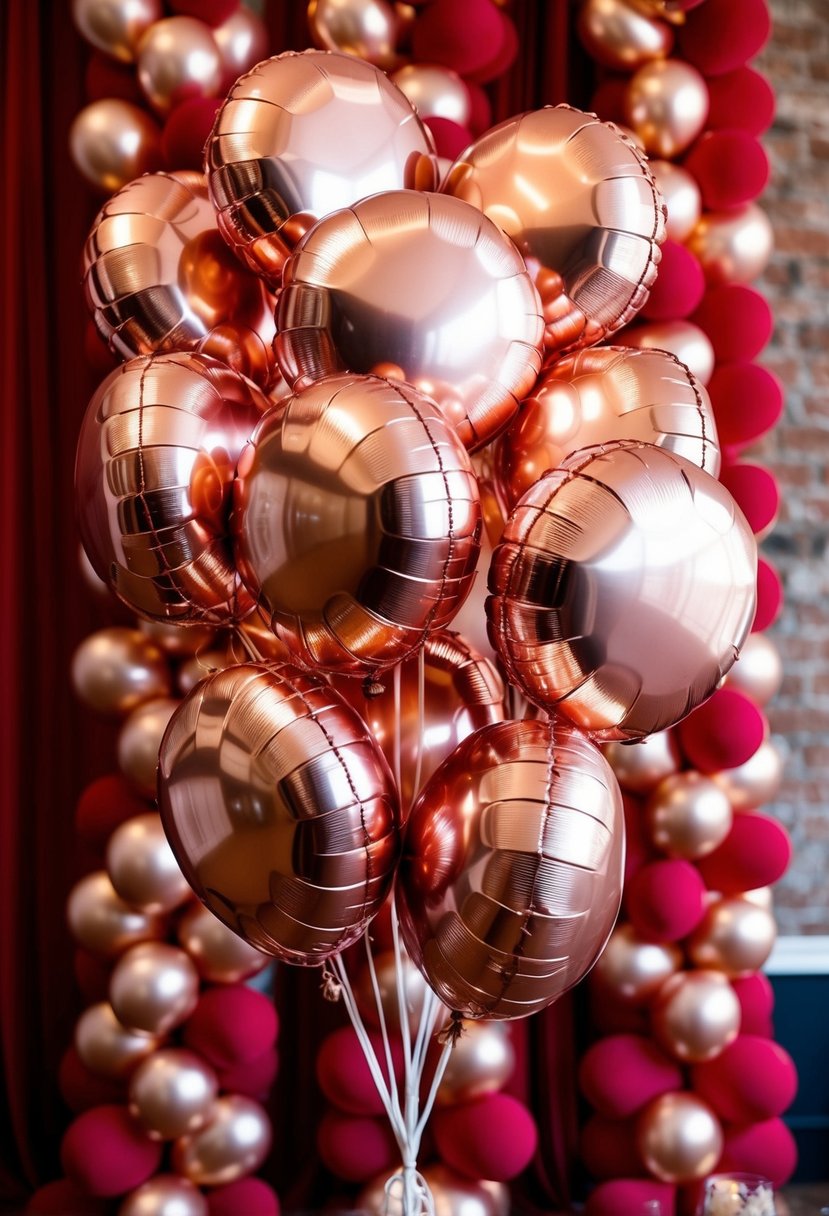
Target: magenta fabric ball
253 1078
441 35
755 490
480 108
737 321
356 1147
231 1025
504 57
755 853
679 286
626 1196
493 1137
608 1149
731 168
344 1076
450 137
665 900
743 99
104 805
213 12
721 35
766 1148
752 1080
249 1195
106 1152
619 1074
747 401
756 997
769 596
82 1089
723 732
186 131
63 1198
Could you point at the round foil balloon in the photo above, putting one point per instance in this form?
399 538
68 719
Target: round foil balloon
599 395
156 457
511 875
159 277
302 135
622 589
357 522
280 809
577 198
417 287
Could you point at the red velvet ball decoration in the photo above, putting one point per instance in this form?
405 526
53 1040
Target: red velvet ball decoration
105 804
766 1148
730 166
755 853
442 32
344 1076
249 1195
737 320
743 99
755 491
108 77
231 1025
63 1198
756 997
251 1077
723 732
82 1089
212 12
92 976
722 35
608 1148
753 1079
186 132
356 1147
619 1074
450 137
505 57
623 1196
747 401
608 101
492 1137
480 108
666 900
679 286
769 596
106 1152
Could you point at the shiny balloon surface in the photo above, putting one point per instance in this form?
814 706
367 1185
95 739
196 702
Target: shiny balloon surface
106 1047
435 91
735 936
242 41
695 1015
220 955
683 339
666 104
142 867
679 1137
452 1195
681 193
366 29
115 669
178 59
172 1092
233 1143
633 969
139 740
733 246
482 1061
688 815
115 26
620 37
165 1195
114 141
759 672
102 922
754 782
640 767
154 988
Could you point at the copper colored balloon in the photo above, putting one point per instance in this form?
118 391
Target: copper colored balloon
596 396
357 522
179 641
366 29
242 41
302 135
756 781
159 277
511 875
679 1137
142 867
633 969
482 1061
416 287
178 59
616 35
733 246
435 92
639 767
414 989
102 922
695 1015
220 955
172 1092
666 104
577 198
106 1047
734 936
156 460
761 897
684 340
688 815
115 26
682 198
164 1195
759 671
233 1143
622 589
154 988
115 669
139 741
452 1195
280 809
113 141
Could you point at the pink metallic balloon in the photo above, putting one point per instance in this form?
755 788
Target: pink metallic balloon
511 875
622 589
178 59
302 135
357 522
416 287
115 669
280 809
115 26
159 277
108 1048
577 198
366 29
102 922
112 141
139 740
233 1143
242 41
220 955
683 339
171 1093
153 988
165 1195
142 867
156 458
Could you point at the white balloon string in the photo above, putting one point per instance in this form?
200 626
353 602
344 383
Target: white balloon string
402 1007
381 1017
421 715
433 1091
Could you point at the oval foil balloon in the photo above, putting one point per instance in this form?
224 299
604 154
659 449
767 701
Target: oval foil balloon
302 135
357 522
622 589
577 198
511 876
280 809
596 396
159 277
156 458
417 287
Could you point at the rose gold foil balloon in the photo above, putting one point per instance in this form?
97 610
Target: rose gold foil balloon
512 868
366 29
115 669
179 641
140 739
106 1047
115 26
684 340
142 867
385 968
754 782
242 41
688 815
759 671
641 766
220 955
623 589
695 1015
357 522
154 988
679 1137
435 92
482 1061
734 936
233 1143
172 1092
616 35
164 1195
280 809
596 396
418 287
302 135
113 141
102 922
156 459
579 201
178 59
682 198
159 277
733 246
633 969
666 104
